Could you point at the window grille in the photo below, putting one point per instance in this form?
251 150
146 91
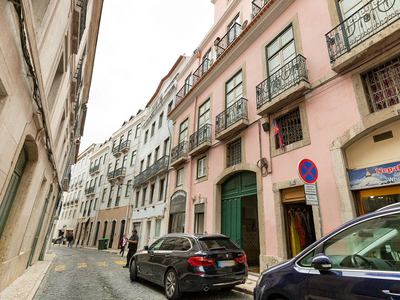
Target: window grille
382 85
290 127
234 153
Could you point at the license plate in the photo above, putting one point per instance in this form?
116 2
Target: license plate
226 263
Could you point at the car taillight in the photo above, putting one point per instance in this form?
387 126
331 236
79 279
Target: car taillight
242 259
200 261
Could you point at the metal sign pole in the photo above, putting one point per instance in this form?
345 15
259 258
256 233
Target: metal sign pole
319 213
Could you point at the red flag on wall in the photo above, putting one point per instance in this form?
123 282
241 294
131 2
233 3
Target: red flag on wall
277 131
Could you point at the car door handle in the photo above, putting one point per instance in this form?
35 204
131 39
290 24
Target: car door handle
387 292
166 255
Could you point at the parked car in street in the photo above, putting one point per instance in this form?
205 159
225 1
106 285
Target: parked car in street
358 260
191 263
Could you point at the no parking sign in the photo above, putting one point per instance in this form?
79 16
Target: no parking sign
307 170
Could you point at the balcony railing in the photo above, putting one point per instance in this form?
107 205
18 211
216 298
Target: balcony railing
111 175
205 65
115 149
91 189
201 136
124 145
179 151
289 75
87 191
182 92
373 17
237 111
257 5
120 172
159 165
228 38
94 168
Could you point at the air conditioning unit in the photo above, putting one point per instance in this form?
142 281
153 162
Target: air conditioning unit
244 24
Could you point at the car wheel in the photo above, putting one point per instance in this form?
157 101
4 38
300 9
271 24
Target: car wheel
171 285
133 271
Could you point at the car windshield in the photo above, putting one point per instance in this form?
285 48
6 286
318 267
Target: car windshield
210 244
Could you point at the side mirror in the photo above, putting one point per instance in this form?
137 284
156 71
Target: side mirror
321 262
146 248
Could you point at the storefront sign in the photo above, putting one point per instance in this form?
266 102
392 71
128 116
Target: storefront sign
178 202
375 176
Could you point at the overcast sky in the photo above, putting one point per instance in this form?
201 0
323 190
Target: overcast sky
139 42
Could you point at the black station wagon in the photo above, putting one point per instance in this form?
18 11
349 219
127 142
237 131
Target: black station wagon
191 263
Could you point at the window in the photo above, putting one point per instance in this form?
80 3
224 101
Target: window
105 157
95 203
199 218
153 129
206 62
234 89
187 84
204 114
161 196
87 185
124 161
149 160
118 195
234 153
104 195
95 181
372 244
81 207
128 138
141 165
137 199
170 106
290 128
156 245
233 29
166 146
128 188
151 194
114 144
146 135
109 168
95 162
160 120
183 131
382 85
101 157
183 244
201 167
179 177
110 196
73 216
137 130
157 228
280 52
101 178
133 157
169 243
144 196
156 151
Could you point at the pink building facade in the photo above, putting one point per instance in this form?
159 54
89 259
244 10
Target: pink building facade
332 90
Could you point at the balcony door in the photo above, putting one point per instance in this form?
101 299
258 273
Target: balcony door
183 131
203 119
206 62
234 92
232 29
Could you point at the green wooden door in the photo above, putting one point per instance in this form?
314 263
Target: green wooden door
235 187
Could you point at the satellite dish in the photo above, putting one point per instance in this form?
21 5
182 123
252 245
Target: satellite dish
244 24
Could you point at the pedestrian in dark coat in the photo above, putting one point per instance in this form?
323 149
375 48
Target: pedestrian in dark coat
132 246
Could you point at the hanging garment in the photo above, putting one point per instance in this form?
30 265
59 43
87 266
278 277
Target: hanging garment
294 236
308 230
300 230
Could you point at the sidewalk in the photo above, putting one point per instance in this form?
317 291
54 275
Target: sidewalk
25 286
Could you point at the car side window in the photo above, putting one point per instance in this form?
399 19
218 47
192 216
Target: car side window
372 244
156 245
306 260
169 244
183 244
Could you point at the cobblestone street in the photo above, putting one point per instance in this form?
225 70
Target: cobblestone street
78 273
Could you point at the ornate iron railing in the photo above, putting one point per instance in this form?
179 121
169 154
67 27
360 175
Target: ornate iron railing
179 151
205 65
237 111
87 191
115 149
182 92
201 136
111 175
91 189
124 145
159 165
364 23
289 75
228 38
119 172
83 4
257 5
94 168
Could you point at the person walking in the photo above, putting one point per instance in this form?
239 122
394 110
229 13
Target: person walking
70 239
132 246
122 244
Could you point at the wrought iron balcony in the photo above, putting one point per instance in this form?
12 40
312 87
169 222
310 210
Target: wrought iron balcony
115 150
290 75
94 169
120 172
111 175
179 154
154 169
200 140
257 5
360 26
232 119
205 65
124 146
87 191
228 38
91 189
182 92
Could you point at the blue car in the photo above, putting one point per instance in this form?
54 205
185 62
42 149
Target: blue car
359 260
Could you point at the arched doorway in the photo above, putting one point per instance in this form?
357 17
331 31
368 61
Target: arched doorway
105 229
239 214
112 232
96 234
121 231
